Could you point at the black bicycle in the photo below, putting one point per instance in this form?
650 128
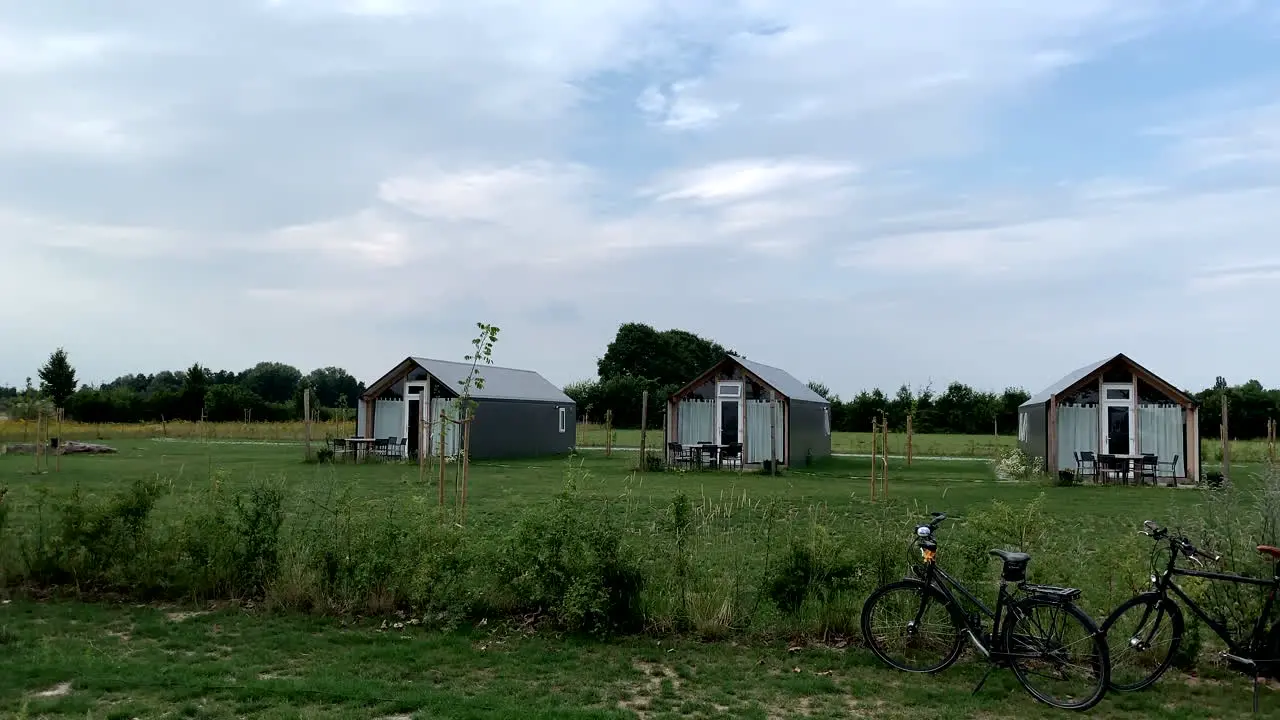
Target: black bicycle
1147 629
1040 632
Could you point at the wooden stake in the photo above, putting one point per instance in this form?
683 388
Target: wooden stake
875 441
424 438
773 433
1226 443
57 457
884 477
306 412
440 459
608 433
466 460
909 436
644 429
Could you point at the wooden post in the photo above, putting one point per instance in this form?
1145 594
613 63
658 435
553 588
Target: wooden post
306 412
644 429
1271 440
424 437
608 433
875 441
1225 432
884 477
909 435
773 433
466 460
39 419
440 458
57 456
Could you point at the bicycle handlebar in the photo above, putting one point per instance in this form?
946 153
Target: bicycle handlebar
1178 542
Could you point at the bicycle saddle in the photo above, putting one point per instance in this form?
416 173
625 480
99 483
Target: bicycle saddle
1013 557
1274 552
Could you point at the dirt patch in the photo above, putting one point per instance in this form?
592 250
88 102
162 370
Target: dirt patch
185 615
643 693
61 690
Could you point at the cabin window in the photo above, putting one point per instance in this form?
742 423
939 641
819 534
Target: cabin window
1117 393
826 420
1022 426
562 418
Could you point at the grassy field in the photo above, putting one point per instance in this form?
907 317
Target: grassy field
589 435
71 660
711 642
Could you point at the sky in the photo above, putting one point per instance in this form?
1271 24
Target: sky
867 194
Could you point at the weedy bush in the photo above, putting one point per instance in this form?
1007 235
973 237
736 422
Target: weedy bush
1017 465
568 560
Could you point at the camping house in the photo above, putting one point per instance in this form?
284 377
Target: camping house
1112 408
518 413
732 402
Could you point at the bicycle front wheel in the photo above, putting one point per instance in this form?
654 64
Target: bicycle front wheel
1142 634
1057 653
912 626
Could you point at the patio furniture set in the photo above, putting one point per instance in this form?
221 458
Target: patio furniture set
357 447
1110 467
704 454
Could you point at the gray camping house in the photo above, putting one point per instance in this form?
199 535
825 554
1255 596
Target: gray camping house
518 413
1112 407
732 401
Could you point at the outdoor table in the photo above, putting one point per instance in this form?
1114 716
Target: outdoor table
357 442
700 448
1128 459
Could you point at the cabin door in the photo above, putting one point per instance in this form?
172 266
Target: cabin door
729 413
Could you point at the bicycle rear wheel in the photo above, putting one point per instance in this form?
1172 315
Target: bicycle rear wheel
1057 653
912 626
1142 634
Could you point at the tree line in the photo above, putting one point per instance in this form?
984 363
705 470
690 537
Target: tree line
268 391
641 358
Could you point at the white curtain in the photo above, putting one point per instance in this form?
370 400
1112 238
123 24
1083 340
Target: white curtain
388 418
759 447
452 436
1077 431
697 421
1160 431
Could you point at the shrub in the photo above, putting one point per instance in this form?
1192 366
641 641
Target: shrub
1016 465
811 569
572 565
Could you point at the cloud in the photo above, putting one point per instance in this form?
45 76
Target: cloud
347 181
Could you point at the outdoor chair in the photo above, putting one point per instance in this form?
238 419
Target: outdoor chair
1086 464
1173 469
1148 467
339 447
679 455
732 455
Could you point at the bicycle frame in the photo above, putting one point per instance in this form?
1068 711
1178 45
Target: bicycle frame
938 578
1239 652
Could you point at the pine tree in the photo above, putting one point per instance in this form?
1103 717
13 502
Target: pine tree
58 378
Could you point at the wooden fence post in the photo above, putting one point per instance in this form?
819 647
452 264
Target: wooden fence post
884 477
875 442
909 437
306 413
440 459
773 433
644 429
608 433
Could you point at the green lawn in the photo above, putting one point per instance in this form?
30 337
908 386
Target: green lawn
65 660
733 658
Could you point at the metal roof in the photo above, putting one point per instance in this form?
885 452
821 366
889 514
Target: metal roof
1071 378
782 381
500 383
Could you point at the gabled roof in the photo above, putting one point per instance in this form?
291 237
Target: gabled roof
778 379
500 383
782 381
1080 374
